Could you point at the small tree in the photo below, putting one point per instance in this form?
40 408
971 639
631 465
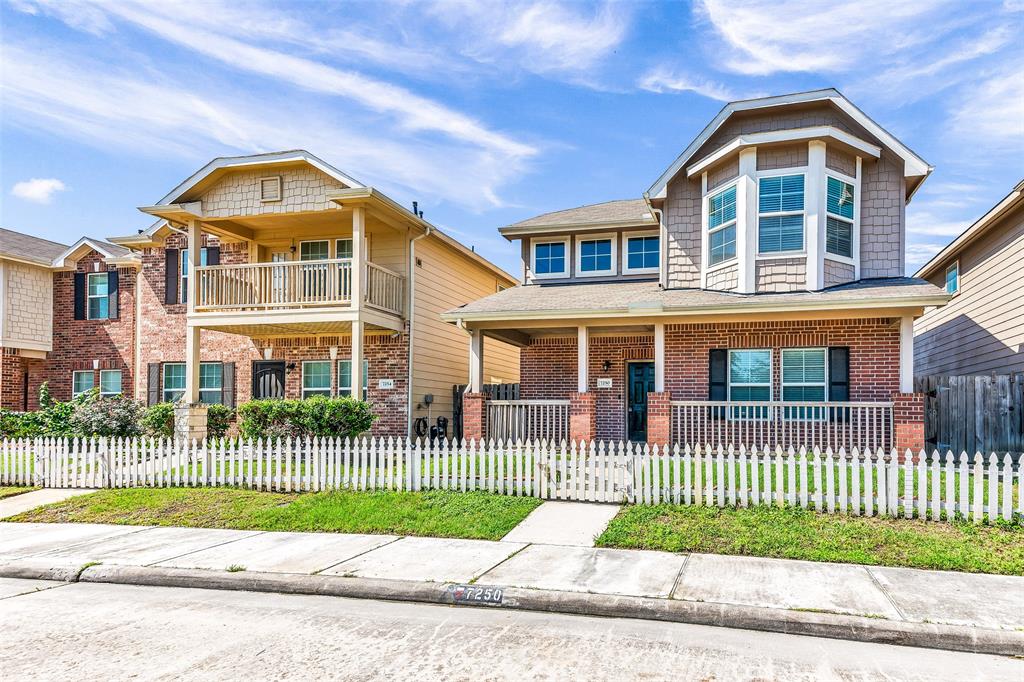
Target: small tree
114 416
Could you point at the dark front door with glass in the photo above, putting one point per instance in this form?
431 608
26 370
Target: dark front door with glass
640 381
268 379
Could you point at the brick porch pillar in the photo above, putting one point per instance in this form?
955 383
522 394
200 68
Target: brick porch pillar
659 418
582 417
474 416
908 421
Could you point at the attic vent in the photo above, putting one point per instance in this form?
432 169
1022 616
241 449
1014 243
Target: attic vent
270 189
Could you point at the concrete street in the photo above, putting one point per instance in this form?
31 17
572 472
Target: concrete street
114 632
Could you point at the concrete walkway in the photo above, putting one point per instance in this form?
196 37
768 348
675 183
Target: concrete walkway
575 524
16 504
884 594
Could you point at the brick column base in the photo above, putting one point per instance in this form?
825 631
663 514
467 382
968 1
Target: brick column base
659 418
908 422
582 417
190 422
474 416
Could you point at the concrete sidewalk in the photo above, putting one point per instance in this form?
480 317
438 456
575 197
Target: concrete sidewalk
974 612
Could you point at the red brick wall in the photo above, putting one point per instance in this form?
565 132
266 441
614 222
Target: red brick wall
12 372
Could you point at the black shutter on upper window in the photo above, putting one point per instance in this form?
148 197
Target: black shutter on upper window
153 383
839 374
171 276
112 295
79 295
213 255
718 365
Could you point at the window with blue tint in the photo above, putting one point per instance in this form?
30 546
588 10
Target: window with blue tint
781 194
750 380
953 278
211 383
596 255
81 382
110 382
642 253
99 296
184 271
840 198
316 378
345 377
780 225
780 233
722 226
549 258
839 221
804 380
174 381
839 237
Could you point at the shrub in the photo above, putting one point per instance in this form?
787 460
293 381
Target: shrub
158 420
114 416
318 416
218 420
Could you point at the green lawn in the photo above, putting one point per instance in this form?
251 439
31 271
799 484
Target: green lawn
434 513
792 533
11 491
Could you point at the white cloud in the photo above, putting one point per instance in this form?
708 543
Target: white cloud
38 190
665 79
991 112
920 253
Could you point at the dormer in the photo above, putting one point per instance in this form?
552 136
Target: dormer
791 193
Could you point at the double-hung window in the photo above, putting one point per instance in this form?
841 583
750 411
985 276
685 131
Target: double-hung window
174 381
750 380
549 259
99 296
316 378
953 278
722 226
804 380
184 271
643 253
343 248
780 220
211 382
839 221
595 256
82 382
110 382
345 377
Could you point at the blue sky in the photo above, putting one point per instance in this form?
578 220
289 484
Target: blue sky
486 113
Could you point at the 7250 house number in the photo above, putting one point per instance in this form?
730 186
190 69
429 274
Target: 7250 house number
472 594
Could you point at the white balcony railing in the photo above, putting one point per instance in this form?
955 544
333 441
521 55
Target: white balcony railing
294 284
789 424
512 420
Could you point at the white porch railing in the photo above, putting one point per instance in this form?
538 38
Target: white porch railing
790 424
512 420
262 286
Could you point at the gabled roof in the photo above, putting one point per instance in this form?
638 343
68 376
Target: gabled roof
915 166
25 247
1012 201
112 253
608 214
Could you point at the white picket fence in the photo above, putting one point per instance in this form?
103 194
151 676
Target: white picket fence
858 482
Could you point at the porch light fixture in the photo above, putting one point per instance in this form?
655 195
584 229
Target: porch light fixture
607 365
290 366
292 247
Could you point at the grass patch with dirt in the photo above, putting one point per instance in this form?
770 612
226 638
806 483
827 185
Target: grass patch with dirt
793 533
477 515
11 491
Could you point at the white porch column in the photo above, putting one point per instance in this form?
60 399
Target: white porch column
907 354
476 361
659 357
815 196
582 359
191 396
358 259
746 222
357 360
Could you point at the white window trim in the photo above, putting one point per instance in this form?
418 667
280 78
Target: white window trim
343 239
74 374
706 222
611 237
111 371
782 374
775 173
280 188
163 381
954 264
183 273
366 378
626 236
314 391
219 390
330 245
855 223
771 373
89 296
533 257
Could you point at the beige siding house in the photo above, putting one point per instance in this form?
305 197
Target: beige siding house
981 329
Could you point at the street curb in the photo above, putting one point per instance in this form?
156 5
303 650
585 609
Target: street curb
814 624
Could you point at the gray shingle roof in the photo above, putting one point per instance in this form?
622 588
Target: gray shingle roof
28 247
113 249
620 211
626 296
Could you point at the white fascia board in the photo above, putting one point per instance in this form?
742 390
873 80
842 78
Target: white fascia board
792 135
61 260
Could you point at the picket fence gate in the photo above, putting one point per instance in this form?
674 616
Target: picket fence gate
857 482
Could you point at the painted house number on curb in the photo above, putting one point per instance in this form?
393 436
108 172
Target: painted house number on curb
471 594
385 383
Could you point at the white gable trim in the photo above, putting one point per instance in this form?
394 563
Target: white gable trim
75 251
914 165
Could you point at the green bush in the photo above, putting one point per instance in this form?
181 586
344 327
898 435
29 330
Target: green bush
317 416
115 416
158 420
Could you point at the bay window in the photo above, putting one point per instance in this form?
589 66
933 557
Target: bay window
839 221
722 226
780 219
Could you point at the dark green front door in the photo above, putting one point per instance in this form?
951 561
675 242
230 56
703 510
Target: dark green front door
640 379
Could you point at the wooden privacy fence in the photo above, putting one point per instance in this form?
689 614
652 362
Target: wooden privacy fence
857 482
974 413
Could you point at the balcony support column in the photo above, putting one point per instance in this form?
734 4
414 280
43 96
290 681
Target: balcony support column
357 360
191 396
358 258
582 359
476 361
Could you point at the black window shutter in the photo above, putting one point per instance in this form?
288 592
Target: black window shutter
171 277
213 255
717 374
228 383
112 294
153 384
839 374
79 295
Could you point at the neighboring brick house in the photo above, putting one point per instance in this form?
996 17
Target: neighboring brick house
981 329
295 260
755 294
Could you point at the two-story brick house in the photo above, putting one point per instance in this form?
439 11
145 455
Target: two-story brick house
754 294
274 275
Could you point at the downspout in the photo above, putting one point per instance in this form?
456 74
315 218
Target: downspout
411 317
662 242
138 336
